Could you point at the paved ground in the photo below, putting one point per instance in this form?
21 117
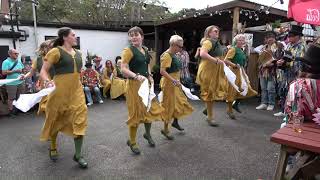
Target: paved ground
236 150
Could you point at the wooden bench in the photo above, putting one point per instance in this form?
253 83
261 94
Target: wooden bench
307 143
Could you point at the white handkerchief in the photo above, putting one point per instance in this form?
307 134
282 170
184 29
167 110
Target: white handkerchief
151 96
188 93
244 84
144 92
27 101
160 97
231 77
6 81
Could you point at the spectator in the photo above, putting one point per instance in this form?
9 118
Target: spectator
91 82
13 67
106 78
30 85
267 74
304 94
97 65
290 66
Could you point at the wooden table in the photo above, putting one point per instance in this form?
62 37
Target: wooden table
308 142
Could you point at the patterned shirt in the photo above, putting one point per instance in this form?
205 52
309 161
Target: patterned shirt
303 97
297 50
90 78
183 56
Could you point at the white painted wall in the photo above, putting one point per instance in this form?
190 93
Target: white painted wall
107 44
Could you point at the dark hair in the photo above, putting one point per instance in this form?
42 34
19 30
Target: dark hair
117 59
63 32
136 29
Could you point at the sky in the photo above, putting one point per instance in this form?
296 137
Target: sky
177 5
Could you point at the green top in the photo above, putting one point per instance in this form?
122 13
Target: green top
175 64
139 62
240 57
39 66
65 64
216 49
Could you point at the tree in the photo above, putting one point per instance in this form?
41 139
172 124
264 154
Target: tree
100 12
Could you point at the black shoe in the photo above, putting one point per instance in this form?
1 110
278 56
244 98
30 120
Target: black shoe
235 106
134 148
176 125
150 140
205 112
53 154
82 163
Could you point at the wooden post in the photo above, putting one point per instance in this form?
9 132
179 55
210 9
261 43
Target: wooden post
236 18
156 41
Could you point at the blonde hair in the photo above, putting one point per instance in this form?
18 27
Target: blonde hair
237 37
207 32
44 47
175 39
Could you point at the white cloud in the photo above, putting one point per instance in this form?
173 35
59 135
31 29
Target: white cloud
177 5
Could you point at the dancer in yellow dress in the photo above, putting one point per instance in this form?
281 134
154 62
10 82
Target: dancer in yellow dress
66 109
118 83
174 100
236 60
36 67
135 66
211 77
106 81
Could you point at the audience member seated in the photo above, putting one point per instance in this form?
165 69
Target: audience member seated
91 82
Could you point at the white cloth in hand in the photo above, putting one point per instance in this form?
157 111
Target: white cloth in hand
27 101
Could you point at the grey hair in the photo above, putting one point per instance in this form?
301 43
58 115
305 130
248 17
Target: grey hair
175 39
11 51
238 36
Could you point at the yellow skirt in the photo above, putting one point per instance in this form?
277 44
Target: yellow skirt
137 111
174 100
212 81
233 94
106 86
42 105
118 88
66 109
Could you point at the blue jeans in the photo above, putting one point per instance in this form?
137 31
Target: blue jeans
96 92
268 91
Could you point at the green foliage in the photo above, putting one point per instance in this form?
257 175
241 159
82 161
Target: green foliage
94 11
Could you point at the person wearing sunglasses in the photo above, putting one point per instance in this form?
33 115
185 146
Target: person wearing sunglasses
174 100
211 77
12 67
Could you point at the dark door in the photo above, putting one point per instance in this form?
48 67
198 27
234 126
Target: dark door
3 55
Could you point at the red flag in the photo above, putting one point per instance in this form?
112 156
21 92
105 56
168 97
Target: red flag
305 11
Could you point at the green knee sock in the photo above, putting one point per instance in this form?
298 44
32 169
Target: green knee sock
147 126
78 146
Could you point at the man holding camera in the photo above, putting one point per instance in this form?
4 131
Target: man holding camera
295 49
12 67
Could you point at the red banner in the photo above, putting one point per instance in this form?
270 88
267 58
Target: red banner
305 11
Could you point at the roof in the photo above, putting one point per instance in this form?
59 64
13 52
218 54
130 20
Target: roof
223 21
